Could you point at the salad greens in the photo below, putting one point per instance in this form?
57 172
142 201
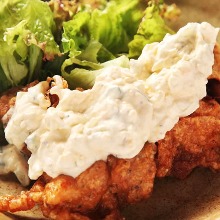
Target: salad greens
26 37
93 37
151 29
40 39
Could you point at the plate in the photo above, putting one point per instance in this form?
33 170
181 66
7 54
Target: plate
195 198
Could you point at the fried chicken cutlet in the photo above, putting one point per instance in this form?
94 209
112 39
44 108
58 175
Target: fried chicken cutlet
101 190
195 139
95 194
193 142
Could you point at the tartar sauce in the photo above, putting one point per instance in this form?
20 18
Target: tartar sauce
125 108
11 160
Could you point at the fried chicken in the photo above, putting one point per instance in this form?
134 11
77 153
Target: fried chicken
132 179
100 191
193 142
216 67
213 86
95 194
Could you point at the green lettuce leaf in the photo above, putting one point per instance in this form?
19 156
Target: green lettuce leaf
95 36
151 29
26 36
100 35
84 77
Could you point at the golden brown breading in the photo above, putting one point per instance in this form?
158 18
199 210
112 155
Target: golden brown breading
95 194
216 67
101 190
76 195
108 207
194 141
64 196
7 100
132 179
213 86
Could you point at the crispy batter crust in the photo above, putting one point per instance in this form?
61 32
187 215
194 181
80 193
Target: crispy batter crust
216 67
194 141
100 191
95 194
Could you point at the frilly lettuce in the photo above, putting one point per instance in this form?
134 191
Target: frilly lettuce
88 36
26 37
94 36
151 29
84 78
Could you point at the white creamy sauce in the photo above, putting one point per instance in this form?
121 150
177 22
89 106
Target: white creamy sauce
125 108
11 160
